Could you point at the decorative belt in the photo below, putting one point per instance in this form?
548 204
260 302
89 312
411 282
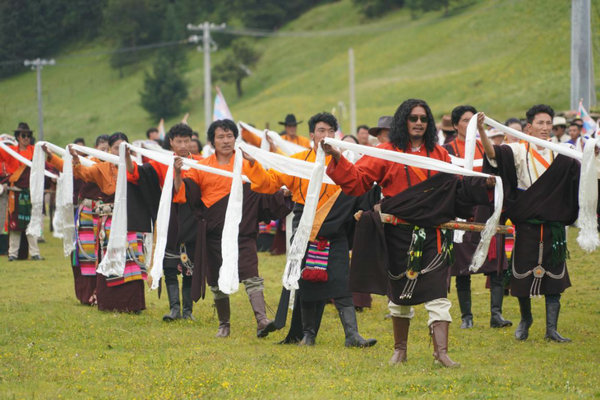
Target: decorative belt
103 209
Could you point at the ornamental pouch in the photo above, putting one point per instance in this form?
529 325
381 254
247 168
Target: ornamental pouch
317 257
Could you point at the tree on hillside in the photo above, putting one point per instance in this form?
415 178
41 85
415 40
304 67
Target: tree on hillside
165 89
131 23
236 65
417 6
31 29
377 8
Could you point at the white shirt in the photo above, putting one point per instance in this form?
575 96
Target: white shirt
529 169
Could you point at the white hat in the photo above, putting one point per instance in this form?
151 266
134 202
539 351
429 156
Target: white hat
494 132
559 121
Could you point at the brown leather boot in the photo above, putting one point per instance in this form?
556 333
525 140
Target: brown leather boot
264 326
401 326
224 313
439 334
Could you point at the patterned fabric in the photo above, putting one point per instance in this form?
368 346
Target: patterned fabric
135 266
269 229
19 210
316 261
84 255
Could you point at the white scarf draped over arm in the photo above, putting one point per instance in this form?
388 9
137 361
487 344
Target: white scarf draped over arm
441 166
113 262
588 199
228 273
288 148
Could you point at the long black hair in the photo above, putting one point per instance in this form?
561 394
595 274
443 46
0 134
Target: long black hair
399 136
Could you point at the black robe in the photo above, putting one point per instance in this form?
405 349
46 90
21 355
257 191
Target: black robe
338 228
380 251
463 252
553 197
209 229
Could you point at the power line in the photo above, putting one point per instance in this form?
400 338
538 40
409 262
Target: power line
355 30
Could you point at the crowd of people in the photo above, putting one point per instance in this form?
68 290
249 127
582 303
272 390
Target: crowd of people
376 228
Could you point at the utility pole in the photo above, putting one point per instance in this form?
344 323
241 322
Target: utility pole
38 64
352 92
582 64
208 45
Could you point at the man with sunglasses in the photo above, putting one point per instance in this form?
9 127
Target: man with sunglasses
19 200
397 249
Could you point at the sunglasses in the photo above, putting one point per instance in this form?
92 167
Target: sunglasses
25 135
414 118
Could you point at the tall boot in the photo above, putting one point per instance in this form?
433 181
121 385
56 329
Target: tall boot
308 310
522 332
496 297
188 304
174 305
401 326
552 311
439 335
264 326
224 313
353 338
464 301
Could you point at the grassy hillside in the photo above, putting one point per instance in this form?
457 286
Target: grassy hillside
501 56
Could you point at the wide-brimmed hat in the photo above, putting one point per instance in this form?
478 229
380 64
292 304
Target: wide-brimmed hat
384 122
290 120
558 121
23 127
447 124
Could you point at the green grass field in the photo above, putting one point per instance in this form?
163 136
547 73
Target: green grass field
53 347
500 55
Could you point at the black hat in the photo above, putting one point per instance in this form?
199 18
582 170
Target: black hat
384 122
290 120
23 127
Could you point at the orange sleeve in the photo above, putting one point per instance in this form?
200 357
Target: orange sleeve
56 162
266 181
89 174
179 196
251 138
134 176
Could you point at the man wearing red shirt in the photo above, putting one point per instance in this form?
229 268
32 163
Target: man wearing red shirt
19 200
414 256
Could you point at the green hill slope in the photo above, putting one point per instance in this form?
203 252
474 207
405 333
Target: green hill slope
501 56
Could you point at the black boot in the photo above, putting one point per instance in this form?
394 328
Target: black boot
188 304
224 313
464 301
174 305
496 297
309 323
522 332
552 311
353 338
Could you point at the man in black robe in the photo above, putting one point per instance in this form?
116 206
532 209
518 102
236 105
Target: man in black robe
541 198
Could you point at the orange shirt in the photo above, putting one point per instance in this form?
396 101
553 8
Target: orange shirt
160 168
103 174
212 187
456 147
356 179
10 163
299 140
271 181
